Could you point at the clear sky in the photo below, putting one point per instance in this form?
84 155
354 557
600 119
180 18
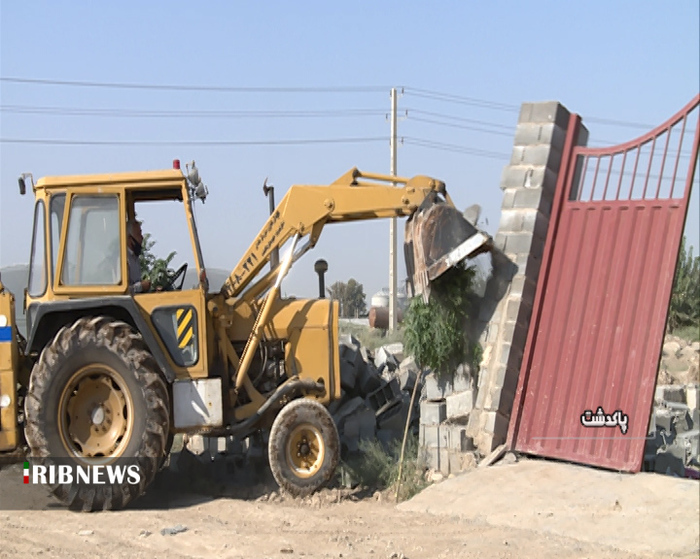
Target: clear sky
323 72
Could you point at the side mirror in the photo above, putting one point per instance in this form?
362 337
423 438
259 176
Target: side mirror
22 182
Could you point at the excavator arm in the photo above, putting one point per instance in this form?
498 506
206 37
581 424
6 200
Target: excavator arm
306 209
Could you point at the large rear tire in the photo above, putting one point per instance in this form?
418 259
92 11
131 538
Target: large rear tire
304 447
96 396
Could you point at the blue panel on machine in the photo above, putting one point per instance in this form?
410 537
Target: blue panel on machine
5 333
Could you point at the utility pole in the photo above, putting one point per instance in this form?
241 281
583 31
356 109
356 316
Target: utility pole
392 230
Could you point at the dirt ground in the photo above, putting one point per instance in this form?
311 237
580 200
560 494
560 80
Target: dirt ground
254 521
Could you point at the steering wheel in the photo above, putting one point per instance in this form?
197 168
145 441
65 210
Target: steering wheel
172 278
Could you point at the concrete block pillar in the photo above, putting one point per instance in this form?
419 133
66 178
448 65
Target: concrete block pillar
528 185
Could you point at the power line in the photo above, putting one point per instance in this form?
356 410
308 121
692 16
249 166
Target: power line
417 92
462 126
137 113
612 122
214 88
461 119
454 148
64 142
451 98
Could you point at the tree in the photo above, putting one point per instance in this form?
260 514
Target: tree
351 296
684 309
153 268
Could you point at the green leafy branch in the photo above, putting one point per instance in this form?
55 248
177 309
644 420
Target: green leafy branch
435 332
152 268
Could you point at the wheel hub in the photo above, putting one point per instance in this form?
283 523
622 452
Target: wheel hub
305 450
98 415
95 413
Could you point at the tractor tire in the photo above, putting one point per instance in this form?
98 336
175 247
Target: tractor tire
96 396
304 447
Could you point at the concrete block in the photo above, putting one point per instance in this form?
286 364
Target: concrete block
499 241
396 349
437 388
508 197
527 176
438 459
458 440
691 441
663 420
433 412
429 436
408 373
523 287
545 112
383 357
532 133
504 354
409 363
511 221
497 424
494 333
512 309
518 243
517 333
539 154
462 378
671 393
527 198
527 265
535 222
459 404
682 421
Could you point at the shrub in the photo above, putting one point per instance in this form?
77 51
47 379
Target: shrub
435 332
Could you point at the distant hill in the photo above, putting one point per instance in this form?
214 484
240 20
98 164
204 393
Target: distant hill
14 278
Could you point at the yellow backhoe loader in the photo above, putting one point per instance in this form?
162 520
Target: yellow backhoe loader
107 376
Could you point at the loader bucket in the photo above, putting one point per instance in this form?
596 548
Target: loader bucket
436 238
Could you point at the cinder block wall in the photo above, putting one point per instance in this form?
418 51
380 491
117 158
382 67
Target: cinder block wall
528 185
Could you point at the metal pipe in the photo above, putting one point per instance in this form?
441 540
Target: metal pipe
282 391
263 317
269 191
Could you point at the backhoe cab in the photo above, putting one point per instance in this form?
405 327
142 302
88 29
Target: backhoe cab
115 374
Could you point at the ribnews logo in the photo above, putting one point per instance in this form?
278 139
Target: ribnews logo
98 474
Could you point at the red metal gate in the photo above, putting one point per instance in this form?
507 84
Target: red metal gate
586 386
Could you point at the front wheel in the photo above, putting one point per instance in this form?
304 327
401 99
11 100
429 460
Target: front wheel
97 398
304 447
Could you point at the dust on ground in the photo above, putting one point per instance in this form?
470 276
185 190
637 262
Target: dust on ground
252 520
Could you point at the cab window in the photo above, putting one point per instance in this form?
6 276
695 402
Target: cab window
56 206
37 271
92 255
